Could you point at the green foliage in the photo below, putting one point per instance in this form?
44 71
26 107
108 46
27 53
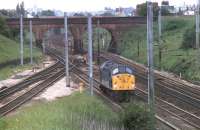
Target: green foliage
142 9
174 25
174 58
165 12
68 113
189 38
2 124
8 13
4 30
165 3
46 13
20 9
9 51
107 14
137 117
79 14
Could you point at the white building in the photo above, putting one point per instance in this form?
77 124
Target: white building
189 12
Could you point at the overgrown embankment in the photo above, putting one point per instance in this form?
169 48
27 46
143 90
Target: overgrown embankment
10 56
177 55
78 112
75 112
10 51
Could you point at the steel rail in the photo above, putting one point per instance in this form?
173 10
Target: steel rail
18 101
84 77
28 81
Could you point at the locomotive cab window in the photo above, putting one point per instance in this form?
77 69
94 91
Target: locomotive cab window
128 70
115 71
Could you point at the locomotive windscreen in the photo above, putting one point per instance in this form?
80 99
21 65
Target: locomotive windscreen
122 69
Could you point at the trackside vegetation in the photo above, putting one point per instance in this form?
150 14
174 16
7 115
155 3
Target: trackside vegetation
137 116
74 112
177 48
10 51
9 57
77 112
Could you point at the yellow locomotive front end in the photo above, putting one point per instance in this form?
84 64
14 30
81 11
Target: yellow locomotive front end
123 82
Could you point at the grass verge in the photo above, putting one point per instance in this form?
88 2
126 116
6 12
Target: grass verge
174 58
9 51
74 112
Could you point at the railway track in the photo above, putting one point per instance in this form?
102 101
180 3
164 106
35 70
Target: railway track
28 81
85 78
169 87
178 89
18 101
38 83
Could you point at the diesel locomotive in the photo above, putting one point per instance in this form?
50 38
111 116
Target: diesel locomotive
117 80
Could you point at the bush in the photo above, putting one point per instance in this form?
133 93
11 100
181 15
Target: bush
173 25
137 117
189 39
4 29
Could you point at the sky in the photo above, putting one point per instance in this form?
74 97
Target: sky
83 5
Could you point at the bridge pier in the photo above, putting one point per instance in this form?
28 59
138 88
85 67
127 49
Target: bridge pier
77 33
113 45
78 46
38 43
115 38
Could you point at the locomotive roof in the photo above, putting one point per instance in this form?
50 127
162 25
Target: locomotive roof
111 65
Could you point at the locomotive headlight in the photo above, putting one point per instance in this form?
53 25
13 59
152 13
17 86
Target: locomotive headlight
114 86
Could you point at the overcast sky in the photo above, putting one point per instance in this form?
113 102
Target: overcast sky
83 5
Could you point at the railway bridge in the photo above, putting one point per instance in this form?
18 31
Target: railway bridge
78 25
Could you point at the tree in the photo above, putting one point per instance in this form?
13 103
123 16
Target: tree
180 12
4 29
47 13
189 39
79 14
166 3
137 117
20 9
107 14
165 11
142 9
8 13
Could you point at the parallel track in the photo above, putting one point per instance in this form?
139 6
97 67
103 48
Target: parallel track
18 101
174 87
44 79
28 81
84 77
168 86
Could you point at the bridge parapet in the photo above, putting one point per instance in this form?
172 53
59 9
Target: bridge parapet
115 25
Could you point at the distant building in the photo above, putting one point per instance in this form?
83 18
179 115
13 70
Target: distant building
189 12
130 11
108 10
171 9
119 12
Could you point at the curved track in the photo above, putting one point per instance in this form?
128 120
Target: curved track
28 81
168 86
85 78
40 81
